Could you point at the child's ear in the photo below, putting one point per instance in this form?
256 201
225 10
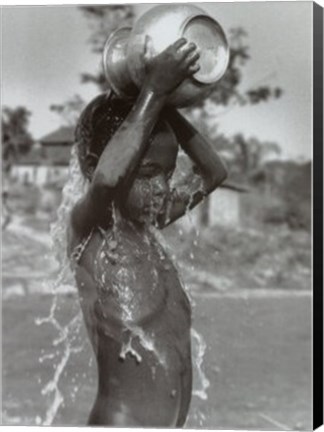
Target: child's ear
90 162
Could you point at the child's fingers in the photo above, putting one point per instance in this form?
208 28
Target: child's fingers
187 50
192 57
148 48
194 68
179 43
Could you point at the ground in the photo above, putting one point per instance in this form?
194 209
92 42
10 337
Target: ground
258 356
258 362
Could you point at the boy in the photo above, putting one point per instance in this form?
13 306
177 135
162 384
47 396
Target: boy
136 312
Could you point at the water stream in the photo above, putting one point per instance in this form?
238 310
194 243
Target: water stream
68 343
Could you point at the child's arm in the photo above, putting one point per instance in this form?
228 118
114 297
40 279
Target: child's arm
119 159
207 162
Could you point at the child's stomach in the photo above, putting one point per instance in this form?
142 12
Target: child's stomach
132 280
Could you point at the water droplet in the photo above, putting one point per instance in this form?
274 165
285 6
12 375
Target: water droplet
113 244
199 352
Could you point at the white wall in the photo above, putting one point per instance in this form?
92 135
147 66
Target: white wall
39 175
224 209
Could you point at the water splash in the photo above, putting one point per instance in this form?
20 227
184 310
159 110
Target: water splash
68 345
67 338
199 418
147 343
198 355
128 349
199 344
73 190
180 182
162 242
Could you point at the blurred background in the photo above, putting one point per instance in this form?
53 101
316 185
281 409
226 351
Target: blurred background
244 253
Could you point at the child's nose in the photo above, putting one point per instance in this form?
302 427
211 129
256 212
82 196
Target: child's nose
160 187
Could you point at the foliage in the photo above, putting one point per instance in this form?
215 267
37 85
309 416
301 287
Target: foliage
290 183
24 198
16 139
235 258
70 110
245 156
227 91
249 156
103 20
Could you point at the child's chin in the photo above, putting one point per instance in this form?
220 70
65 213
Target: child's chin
146 218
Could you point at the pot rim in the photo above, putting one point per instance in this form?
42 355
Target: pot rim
106 70
219 27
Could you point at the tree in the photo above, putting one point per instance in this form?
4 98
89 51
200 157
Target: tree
70 110
250 156
245 156
103 20
291 183
16 139
227 90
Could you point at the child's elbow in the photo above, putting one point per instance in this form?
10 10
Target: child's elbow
102 188
219 176
225 174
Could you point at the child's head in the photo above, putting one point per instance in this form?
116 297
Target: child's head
149 187
97 124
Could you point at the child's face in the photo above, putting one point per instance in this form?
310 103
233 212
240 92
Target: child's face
147 194
150 187
149 190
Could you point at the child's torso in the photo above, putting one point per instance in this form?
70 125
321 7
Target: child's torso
129 277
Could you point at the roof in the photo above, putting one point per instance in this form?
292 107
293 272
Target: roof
65 134
234 186
31 158
35 157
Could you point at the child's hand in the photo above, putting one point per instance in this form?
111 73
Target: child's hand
168 69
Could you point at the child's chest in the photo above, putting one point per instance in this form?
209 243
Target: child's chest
129 270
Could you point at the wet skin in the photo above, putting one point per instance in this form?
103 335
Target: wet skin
136 312
128 284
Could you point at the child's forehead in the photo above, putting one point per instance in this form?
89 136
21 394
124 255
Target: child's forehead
162 149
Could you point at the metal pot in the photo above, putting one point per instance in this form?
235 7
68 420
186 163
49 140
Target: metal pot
164 24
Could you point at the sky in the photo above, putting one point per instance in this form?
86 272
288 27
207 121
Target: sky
45 49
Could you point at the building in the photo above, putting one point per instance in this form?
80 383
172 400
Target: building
222 207
47 163
48 160
56 146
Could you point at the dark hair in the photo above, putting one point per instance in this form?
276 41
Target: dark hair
97 124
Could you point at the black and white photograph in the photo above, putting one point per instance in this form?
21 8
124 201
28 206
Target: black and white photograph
156 215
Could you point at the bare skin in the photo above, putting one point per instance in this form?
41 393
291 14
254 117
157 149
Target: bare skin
136 312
